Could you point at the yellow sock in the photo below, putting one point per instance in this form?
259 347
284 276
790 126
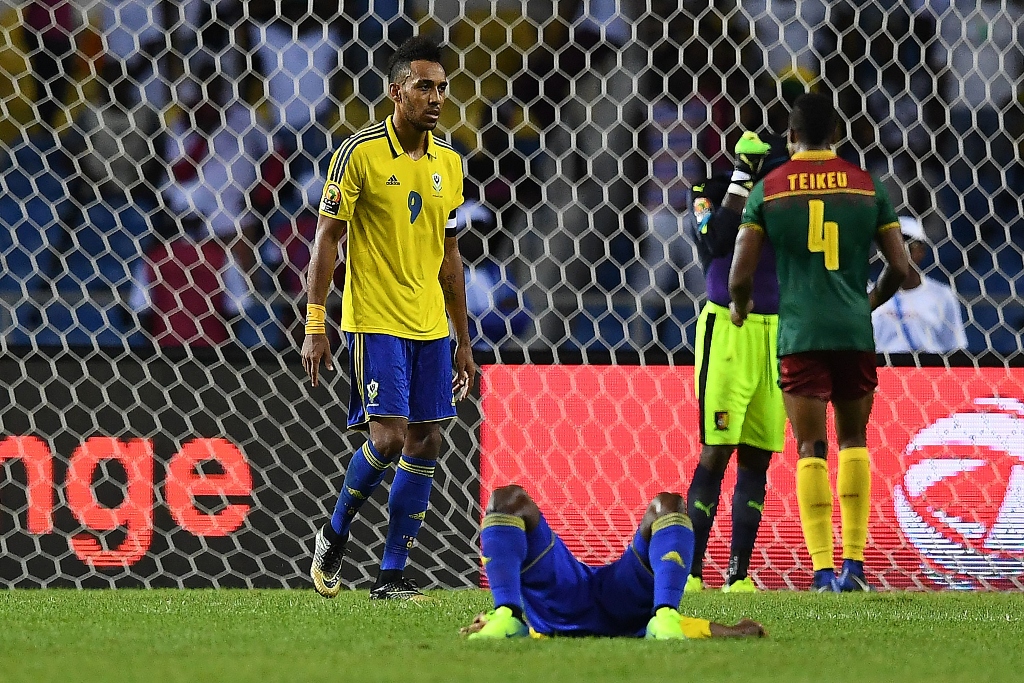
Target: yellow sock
854 488
815 498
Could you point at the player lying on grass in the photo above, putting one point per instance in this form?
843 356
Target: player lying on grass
539 585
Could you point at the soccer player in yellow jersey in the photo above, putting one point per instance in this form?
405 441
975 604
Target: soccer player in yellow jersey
392 190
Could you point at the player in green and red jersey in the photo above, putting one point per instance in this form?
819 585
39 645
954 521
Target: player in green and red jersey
822 215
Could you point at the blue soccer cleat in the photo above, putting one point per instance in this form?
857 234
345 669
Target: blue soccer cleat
852 579
825 581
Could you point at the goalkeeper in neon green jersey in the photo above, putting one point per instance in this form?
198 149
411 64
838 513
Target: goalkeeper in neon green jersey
539 587
736 373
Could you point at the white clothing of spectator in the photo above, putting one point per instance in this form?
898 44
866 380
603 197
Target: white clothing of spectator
924 315
298 45
214 152
213 171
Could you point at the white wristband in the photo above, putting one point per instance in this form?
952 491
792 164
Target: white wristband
741 177
739 190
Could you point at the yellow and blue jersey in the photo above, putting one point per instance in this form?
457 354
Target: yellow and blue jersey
398 211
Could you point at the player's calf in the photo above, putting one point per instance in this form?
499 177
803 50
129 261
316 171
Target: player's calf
744 628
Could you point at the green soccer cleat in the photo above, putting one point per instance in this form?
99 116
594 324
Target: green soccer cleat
666 624
751 143
501 623
745 585
694 584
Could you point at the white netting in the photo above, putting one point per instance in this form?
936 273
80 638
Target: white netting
160 163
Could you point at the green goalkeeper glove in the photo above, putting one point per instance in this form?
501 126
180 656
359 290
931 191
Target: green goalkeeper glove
751 153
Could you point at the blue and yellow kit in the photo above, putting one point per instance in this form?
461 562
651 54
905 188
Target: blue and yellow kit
397 211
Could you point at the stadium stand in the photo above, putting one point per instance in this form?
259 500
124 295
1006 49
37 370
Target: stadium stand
56 238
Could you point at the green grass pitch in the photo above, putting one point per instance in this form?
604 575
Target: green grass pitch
267 635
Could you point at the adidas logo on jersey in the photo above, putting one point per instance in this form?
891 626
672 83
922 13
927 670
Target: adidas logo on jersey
392 181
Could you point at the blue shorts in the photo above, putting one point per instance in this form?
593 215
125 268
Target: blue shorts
395 377
563 596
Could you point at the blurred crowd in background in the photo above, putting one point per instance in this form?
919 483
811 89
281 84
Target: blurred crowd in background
161 162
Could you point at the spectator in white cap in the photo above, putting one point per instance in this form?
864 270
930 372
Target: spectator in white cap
924 315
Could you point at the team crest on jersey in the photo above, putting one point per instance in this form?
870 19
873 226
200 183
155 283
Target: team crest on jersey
371 392
722 420
436 180
332 198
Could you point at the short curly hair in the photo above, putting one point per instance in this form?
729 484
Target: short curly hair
814 117
415 49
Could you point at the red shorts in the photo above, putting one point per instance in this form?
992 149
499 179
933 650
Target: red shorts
829 375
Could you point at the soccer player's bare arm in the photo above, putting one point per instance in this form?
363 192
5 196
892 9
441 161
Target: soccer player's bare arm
749 242
744 628
322 263
453 285
734 202
897 266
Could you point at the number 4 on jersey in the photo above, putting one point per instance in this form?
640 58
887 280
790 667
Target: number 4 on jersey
823 235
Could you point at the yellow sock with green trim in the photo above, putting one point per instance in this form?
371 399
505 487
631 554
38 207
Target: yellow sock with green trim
814 495
854 488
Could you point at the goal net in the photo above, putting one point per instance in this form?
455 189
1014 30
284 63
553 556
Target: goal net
160 167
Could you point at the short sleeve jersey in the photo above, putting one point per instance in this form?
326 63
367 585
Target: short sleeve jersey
821 214
397 211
